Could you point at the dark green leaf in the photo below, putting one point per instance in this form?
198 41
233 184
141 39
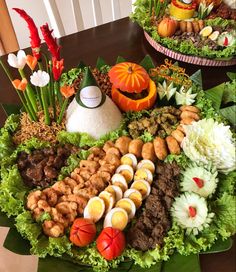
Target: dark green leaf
11 109
5 221
231 75
15 243
81 65
229 113
53 264
180 263
197 78
220 246
154 268
147 63
120 59
100 63
124 267
215 94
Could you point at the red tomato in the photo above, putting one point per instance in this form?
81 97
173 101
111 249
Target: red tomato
111 243
83 232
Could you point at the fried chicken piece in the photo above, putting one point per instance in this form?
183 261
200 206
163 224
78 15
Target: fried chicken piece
53 229
62 188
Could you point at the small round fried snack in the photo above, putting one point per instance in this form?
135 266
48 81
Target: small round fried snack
189 108
122 144
135 147
160 148
173 145
148 152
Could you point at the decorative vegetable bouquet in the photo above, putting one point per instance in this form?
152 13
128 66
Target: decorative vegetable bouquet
40 91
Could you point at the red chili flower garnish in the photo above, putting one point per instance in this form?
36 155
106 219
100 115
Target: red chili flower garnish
53 47
226 41
199 182
35 41
192 211
57 68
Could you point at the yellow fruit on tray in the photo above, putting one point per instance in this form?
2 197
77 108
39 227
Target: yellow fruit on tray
167 27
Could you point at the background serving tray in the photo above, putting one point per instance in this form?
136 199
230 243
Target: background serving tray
185 58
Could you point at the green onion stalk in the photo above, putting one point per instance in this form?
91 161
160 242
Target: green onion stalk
58 93
150 7
45 105
30 93
23 99
63 108
52 92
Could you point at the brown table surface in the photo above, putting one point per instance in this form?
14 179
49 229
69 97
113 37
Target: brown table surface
126 39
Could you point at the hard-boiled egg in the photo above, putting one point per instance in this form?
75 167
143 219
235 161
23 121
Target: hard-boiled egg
116 218
146 164
129 159
108 199
94 209
142 186
135 196
127 171
115 191
119 180
143 173
128 205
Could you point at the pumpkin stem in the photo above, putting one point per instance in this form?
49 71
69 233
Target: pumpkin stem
130 70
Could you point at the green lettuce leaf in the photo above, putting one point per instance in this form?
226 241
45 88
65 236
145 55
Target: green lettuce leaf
227 184
12 191
225 215
69 137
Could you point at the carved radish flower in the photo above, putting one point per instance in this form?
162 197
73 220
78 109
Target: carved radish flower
200 180
40 78
185 97
190 212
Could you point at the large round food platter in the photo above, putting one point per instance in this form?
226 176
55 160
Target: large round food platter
109 168
200 32
185 58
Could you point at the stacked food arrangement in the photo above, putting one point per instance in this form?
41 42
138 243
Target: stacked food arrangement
107 165
197 31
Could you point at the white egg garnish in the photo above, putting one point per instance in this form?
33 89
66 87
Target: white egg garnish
135 196
108 199
148 164
142 186
129 159
116 218
127 171
119 180
115 191
94 209
128 205
143 173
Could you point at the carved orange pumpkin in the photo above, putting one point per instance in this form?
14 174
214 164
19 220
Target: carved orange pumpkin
128 104
129 77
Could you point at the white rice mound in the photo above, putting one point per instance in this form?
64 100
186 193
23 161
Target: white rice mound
95 122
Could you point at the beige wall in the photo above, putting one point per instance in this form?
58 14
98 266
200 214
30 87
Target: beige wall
37 11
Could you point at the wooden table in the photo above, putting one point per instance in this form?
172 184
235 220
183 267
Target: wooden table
126 39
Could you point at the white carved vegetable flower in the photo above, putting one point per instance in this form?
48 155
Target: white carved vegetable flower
165 89
208 141
190 212
40 78
200 180
185 97
17 61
